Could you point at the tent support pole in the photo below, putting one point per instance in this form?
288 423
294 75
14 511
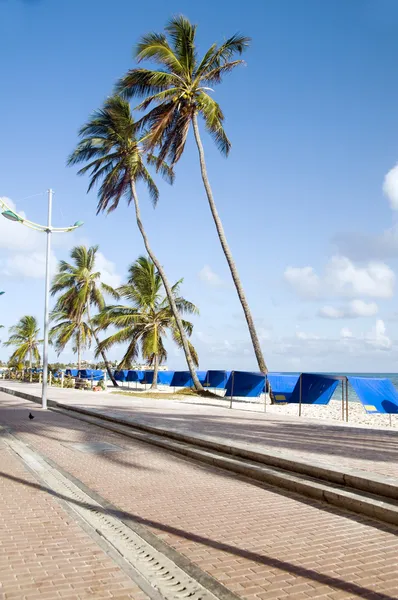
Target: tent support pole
346 399
342 399
300 398
232 389
265 394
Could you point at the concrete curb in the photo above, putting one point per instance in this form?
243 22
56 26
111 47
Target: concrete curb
373 496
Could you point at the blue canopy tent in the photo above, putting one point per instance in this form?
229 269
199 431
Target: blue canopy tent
181 379
314 389
376 395
217 379
201 376
121 375
282 385
246 384
72 372
134 376
165 377
92 374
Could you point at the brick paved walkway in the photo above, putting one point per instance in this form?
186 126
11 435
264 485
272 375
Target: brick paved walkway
259 543
331 443
44 553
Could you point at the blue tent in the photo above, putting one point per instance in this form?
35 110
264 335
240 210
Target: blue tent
93 374
121 375
315 389
165 377
135 376
181 379
244 383
217 379
72 372
282 385
147 377
376 395
201 376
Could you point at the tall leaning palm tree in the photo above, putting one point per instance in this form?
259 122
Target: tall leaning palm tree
24 336
80 287
177 94
115 159
144 322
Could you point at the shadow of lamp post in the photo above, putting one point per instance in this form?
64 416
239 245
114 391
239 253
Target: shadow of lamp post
11 215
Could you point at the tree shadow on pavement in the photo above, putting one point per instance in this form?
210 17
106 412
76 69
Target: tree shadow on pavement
269 561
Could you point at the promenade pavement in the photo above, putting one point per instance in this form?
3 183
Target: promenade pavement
333 444
258 542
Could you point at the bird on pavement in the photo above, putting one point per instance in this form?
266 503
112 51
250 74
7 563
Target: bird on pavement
31 416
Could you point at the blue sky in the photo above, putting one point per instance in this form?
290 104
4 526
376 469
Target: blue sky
313 119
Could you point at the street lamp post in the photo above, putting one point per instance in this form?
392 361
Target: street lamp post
9 214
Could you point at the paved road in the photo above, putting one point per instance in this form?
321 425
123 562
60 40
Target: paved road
44 553
328 442
261 544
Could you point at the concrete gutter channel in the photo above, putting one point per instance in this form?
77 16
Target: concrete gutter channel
364 493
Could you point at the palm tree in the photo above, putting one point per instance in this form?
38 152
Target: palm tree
114 157
144 322
69 329
80 288
178 93
24 335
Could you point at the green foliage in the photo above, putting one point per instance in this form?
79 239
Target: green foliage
78 286
180 89
24 336
144 322
113 154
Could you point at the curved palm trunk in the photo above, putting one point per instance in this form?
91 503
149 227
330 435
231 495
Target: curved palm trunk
107 365
30 365
154 385
227 252
188 357
79 362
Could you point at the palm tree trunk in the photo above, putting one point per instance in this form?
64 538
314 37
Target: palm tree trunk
79 365
227 252
104 358
188 357
30 364
154 385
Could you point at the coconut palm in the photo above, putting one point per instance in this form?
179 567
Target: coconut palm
114 157
81 288
68 329
176 95
144 322
24 336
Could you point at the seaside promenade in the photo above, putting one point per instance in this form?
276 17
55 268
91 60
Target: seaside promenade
234 537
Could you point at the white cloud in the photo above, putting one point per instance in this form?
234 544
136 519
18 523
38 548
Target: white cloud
108 270
346 333
378 338
14 236
27 265
342 278
302 335
355 308
331 312
390 187
304 280
209 276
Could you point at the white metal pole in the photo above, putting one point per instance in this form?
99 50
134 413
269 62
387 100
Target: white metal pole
46 303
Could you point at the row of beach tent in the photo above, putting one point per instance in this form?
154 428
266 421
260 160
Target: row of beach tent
377 395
